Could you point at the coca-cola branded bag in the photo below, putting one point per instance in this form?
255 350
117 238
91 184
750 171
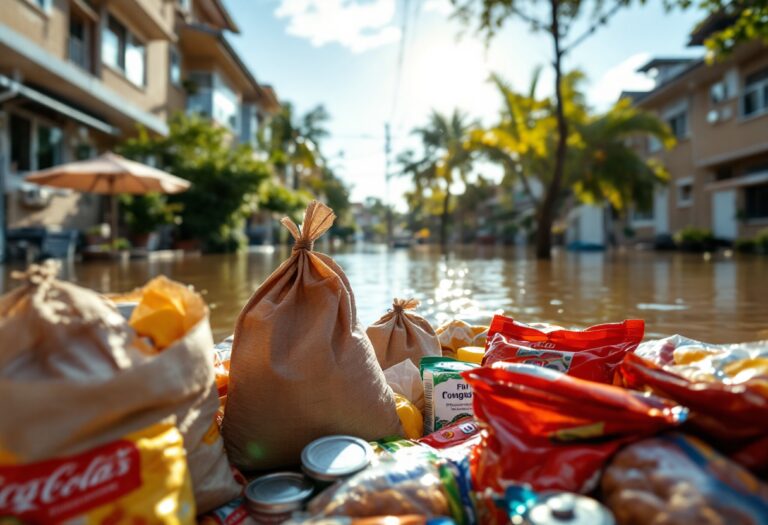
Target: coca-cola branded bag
402 334
74 377
301 365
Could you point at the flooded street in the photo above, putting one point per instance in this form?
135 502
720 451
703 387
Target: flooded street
722 299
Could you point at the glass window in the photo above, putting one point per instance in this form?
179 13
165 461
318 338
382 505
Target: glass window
684 194
175 66
21 144
756 198
755 97
679 125
49 141
79 46
122 50
718 92
654 144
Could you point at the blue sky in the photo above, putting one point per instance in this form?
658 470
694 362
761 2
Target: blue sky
344 54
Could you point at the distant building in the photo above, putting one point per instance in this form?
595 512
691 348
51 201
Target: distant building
78 76
719 167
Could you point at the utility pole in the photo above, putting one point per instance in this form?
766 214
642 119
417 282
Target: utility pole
387 177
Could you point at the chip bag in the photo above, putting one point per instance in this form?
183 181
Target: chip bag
457 333
402 334
301 365
724 390
555 431
593 353
139 478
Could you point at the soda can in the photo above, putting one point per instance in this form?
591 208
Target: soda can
566 508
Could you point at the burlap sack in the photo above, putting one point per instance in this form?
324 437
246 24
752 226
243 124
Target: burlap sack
301 365
401 334
72 378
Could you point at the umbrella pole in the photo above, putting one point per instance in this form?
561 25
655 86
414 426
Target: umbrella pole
113 227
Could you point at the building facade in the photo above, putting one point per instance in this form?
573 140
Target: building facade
78 76
719 167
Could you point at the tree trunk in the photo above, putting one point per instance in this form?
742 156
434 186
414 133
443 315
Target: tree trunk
444 218
547 210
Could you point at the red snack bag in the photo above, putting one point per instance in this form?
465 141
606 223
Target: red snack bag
457 433
552 430
593 353
731 417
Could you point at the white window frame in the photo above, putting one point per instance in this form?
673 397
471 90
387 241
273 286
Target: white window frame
173 50
130 39
761 89
680 183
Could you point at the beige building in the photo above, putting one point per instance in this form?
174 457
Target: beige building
78 76
719 167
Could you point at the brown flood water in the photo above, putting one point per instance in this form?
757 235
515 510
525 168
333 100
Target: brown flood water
720 299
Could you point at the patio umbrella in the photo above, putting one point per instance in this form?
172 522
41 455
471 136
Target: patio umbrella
110 174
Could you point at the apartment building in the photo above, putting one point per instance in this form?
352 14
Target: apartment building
719 167
78 76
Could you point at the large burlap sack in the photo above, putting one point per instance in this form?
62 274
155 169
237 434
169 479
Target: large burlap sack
73 376
401 334
301 365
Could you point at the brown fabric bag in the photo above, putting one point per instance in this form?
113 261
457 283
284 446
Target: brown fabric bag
301 365
71 378
401 334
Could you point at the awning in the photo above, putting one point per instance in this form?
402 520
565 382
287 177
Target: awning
739 182
19 89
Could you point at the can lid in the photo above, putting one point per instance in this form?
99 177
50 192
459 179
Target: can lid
571 509
333 457
278 493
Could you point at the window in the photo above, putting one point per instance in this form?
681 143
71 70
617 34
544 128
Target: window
79 46
654 144
122 50
756 200
678 123
186 5
49 142
44 5
642 216
755 97
684 192
21 144
718 92
174 65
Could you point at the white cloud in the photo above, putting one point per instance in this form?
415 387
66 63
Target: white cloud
355 25
441 7
621 77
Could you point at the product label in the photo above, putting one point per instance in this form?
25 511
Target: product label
447 398
54 490
552 359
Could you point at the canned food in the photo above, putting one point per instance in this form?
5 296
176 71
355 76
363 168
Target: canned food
273 498
334 457
565 508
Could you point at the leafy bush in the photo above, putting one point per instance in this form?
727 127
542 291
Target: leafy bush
145 213
695 239
744 245
761 241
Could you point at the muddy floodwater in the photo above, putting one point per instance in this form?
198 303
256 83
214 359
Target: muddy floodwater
718 298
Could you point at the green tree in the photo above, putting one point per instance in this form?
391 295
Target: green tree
601 165
291 143
742 21
225 179
445 159
488 16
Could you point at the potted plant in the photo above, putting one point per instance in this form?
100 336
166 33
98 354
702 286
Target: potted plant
144 214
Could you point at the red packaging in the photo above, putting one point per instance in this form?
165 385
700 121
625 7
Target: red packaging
593 353
731 417
552 430
458 433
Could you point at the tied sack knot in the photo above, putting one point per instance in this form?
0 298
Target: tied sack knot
400 305
317 220
38 274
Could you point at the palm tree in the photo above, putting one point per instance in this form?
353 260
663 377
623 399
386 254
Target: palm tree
600 166
446 160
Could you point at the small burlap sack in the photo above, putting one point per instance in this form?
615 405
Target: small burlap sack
72 377
301 365
401 334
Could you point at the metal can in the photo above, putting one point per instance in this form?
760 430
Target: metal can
273 498
334 457
565 508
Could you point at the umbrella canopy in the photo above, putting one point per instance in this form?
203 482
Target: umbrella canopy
109 174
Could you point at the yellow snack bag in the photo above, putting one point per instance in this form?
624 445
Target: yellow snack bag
410 417
141 478
166 311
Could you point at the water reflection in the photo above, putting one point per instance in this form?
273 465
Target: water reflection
721 299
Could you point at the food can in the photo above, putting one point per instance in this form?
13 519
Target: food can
565 508
273 498
334 457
